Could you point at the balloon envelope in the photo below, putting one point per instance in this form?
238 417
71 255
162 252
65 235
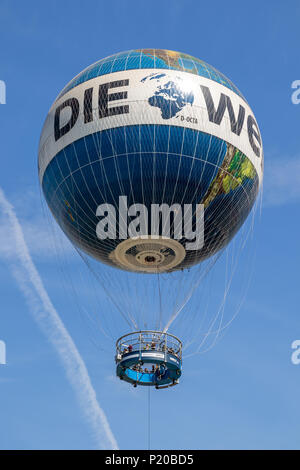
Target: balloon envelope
141 150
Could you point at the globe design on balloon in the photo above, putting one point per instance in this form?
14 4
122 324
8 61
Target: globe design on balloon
169 95
150 127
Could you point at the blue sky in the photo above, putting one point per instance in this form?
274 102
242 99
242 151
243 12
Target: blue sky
244 392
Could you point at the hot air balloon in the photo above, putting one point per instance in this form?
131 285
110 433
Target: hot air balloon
150 161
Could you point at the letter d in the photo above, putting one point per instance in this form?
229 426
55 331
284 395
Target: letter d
72 103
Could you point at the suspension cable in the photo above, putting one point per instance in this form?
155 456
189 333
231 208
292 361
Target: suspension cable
149 422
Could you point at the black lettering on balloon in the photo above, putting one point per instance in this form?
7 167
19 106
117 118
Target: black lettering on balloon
88 105
253 132
61 131
105 98
216 116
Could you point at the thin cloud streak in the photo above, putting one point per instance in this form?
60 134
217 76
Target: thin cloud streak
38 237
48 319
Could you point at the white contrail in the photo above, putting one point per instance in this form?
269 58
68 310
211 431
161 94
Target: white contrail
48 319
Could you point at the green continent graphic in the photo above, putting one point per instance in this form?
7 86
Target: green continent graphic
236 167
